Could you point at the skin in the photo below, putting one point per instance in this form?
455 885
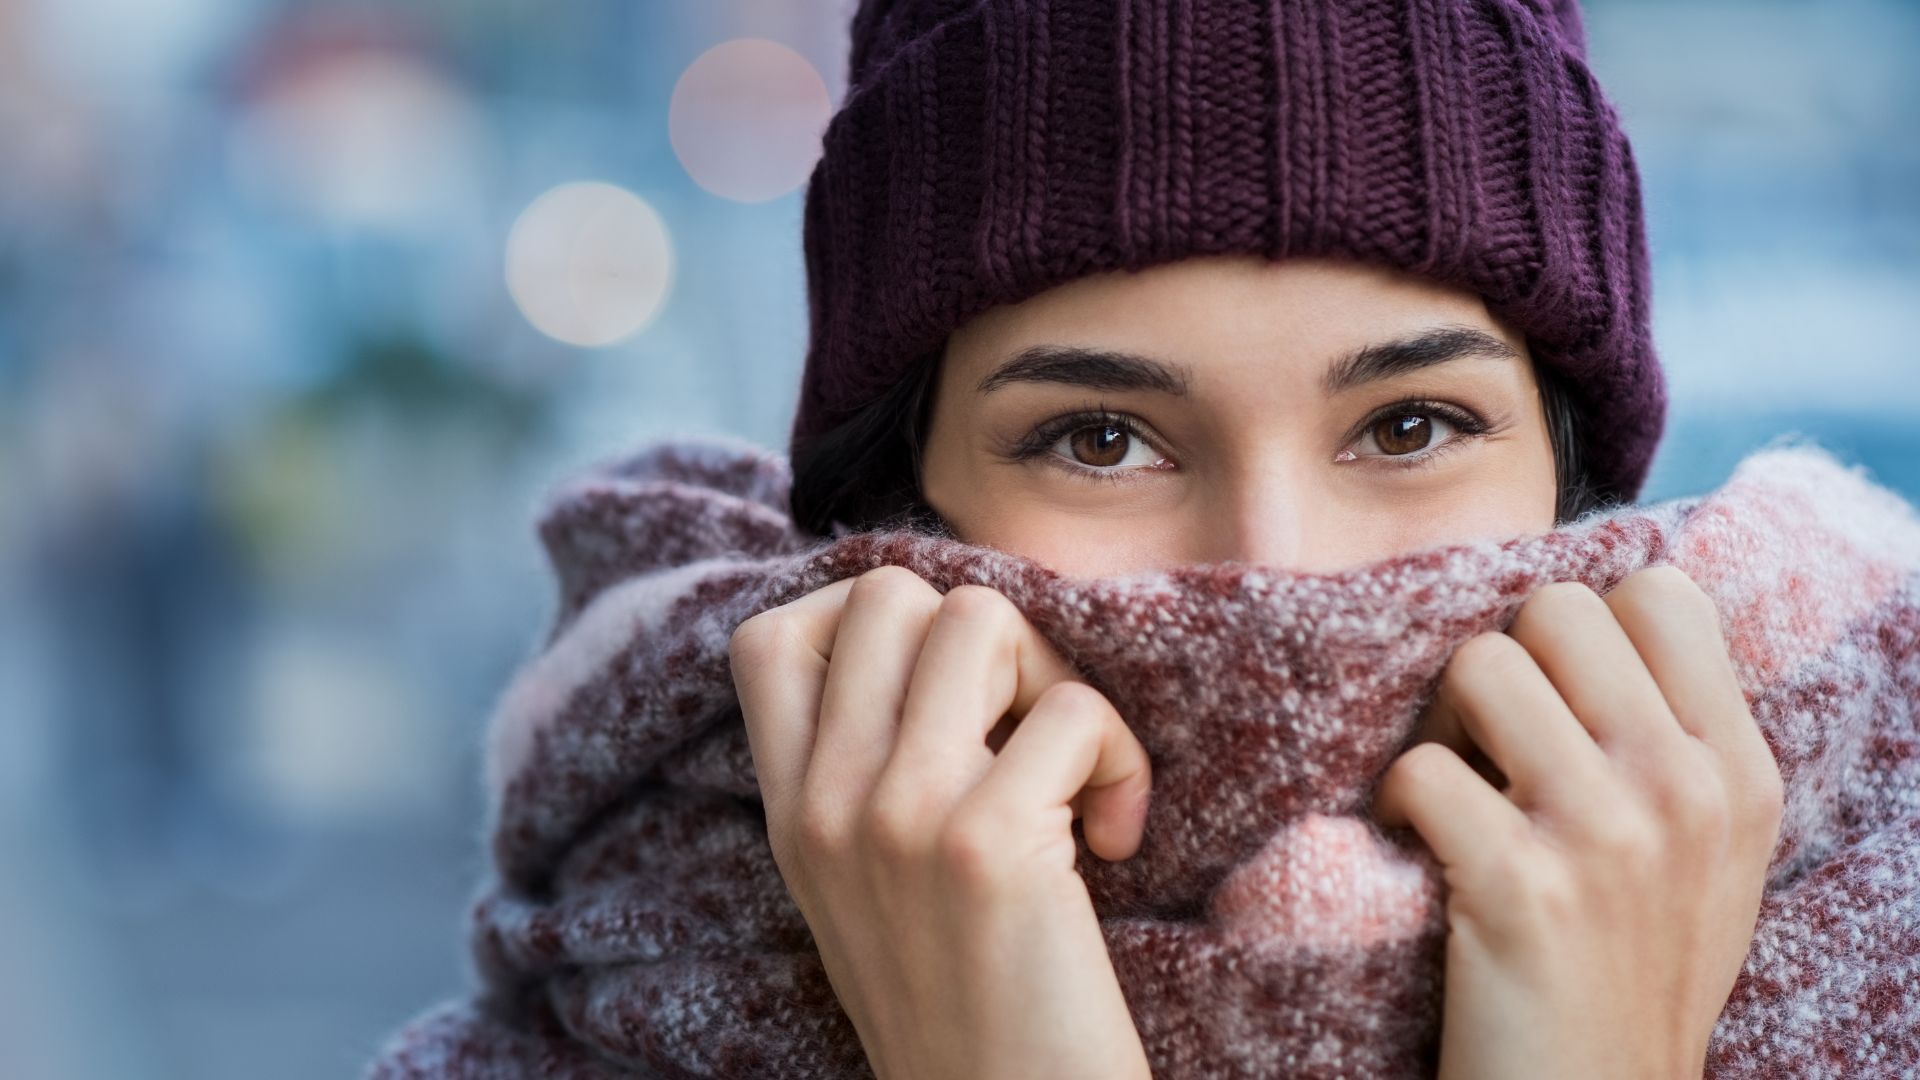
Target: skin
1590 778
1246 465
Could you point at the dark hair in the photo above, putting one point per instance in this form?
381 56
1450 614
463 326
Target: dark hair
864 473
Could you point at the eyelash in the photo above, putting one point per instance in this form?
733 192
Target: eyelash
1040 441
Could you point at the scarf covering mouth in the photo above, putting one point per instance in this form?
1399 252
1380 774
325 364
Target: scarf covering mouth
632 922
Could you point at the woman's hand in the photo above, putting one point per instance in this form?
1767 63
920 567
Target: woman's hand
931 851
1601 902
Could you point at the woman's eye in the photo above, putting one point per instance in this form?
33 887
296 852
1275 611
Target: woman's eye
1105 446
1407 432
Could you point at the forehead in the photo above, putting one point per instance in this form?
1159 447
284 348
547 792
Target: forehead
1226 319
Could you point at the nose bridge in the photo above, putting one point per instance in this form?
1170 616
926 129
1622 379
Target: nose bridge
1266 516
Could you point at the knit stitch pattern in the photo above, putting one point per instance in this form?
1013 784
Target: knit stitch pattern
633 922
987 150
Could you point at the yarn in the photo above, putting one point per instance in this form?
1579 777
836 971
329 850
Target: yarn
987 150
632 921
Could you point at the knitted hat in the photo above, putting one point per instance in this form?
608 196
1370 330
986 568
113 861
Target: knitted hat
988 150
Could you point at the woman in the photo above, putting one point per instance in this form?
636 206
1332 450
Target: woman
1119 285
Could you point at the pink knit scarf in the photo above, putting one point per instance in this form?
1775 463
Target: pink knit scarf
633 922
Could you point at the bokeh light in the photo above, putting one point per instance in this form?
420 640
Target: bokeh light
589 263
746 119
367 138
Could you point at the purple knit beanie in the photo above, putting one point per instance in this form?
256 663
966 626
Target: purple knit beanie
988 150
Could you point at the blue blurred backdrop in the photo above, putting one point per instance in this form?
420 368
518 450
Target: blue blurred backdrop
304 302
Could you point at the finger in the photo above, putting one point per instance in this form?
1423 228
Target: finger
1072 748
1494 697
981 661
1675 627
875 646
779 665
1441 723
1454 809
1573 637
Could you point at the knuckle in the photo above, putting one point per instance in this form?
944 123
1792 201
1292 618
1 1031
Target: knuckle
1486 655
1551 895
1621 837
1692 798
755 635
1075 702
1551 601
892 828
1556 593
971 848
1537 890
1667 580
1565 592
816 833
1420 762
1662 587
887 582
1418 772
978 603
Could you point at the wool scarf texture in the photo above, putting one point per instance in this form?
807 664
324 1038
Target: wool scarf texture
632 921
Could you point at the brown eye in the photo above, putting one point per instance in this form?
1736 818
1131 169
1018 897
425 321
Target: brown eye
1100 445
1403 434
1096 446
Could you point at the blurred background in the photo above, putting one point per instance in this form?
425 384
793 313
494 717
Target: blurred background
303 303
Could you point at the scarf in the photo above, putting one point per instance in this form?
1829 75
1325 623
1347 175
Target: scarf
632 921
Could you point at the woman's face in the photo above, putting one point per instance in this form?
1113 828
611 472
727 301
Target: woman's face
1310 414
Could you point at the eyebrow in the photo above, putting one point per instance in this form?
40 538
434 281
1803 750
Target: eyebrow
1436 345
1094 368
1116 370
